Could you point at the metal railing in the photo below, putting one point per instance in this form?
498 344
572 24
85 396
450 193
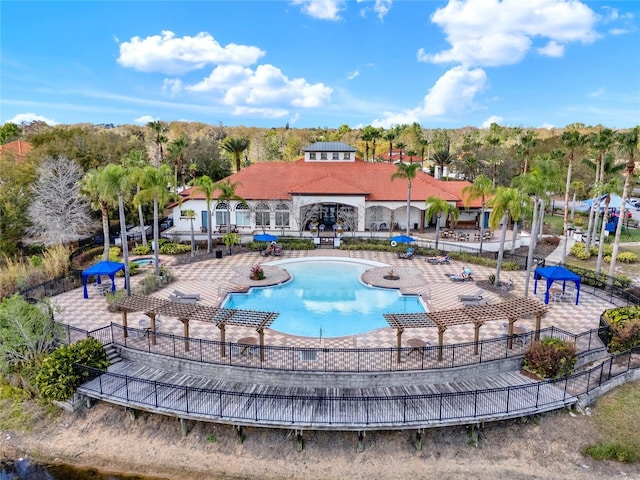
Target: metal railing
305 359
355 412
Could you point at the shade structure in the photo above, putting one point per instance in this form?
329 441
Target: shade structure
402 239
101 268
551 274
265 237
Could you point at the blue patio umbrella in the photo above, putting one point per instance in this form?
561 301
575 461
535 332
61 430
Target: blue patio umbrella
265 237
402 239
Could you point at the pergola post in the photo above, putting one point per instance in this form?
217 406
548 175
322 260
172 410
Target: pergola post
223 334
124 323
476 337
441 331
152 323
399 343
185 322
510 333
538 325
261 336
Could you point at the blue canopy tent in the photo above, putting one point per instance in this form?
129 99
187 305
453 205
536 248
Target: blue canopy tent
551 274
101 268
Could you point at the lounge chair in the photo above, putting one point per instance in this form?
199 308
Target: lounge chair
408 254
474 296
475 302
177 299
462 276
190 296
441 260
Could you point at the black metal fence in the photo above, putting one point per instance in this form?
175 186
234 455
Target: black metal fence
356 412
283 358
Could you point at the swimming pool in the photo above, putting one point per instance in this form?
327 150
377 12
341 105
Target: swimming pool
144 262
326 299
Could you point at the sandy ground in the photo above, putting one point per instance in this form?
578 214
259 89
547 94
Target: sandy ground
107 438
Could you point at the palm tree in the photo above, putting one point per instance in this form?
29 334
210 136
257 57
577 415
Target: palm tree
135 163
527 142
506 203
494 140
436 206
236 147
158 129
572 139
390 135
401 146
228 193
92 189
442 156
155 188
367 136
207 186
117 184
481 188
601 141
407 172
612 187
376 134
176 151
424 143
627 143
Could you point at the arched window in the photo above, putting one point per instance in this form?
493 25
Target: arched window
262 215
242 215
282 215
221 213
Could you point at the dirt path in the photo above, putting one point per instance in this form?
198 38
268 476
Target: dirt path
105 437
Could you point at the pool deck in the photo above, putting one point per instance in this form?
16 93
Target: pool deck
214 278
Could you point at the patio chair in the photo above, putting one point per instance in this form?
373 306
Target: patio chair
185 296
473 296
463 276
408 254
475 302
441 260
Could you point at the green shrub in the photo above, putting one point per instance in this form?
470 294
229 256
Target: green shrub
551 358
580 252
58 377
141 250
35 261
627 257
170 248
114 254
624 324
611 451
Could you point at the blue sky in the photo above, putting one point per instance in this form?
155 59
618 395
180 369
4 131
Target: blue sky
322 63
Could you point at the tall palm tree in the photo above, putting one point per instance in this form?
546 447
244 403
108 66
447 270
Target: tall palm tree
424 143
158 129
627 143
116 184
407 172
92 189
612 187
600 141
572 139
367 136
401 146
438 207
135 163
176 151
442 156
227 194
506 203
236 147
528 141
155 188
494 141
207 186
390 135
376 134
482 187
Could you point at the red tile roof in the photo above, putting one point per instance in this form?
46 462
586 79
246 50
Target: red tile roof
18 148
280 180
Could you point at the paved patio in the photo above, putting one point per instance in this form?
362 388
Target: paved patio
212 279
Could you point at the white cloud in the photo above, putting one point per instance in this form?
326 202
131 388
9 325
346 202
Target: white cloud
380 8
492 119
31 117
493 32
267 85
548 126
172 86
619 31
353 75
175 56
260 112
143 120
453 92
552 49
321 9
294 118
597 93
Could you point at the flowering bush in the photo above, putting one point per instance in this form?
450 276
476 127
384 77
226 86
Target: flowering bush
257 273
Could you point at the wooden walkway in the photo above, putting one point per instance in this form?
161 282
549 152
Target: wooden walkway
418 405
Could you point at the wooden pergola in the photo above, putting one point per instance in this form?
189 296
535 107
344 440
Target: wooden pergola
185 312
511 310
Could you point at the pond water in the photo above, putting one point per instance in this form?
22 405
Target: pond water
24 469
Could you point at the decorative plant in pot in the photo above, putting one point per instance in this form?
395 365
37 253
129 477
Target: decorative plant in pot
257 273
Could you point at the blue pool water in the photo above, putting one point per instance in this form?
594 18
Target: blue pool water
144 262
326 298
